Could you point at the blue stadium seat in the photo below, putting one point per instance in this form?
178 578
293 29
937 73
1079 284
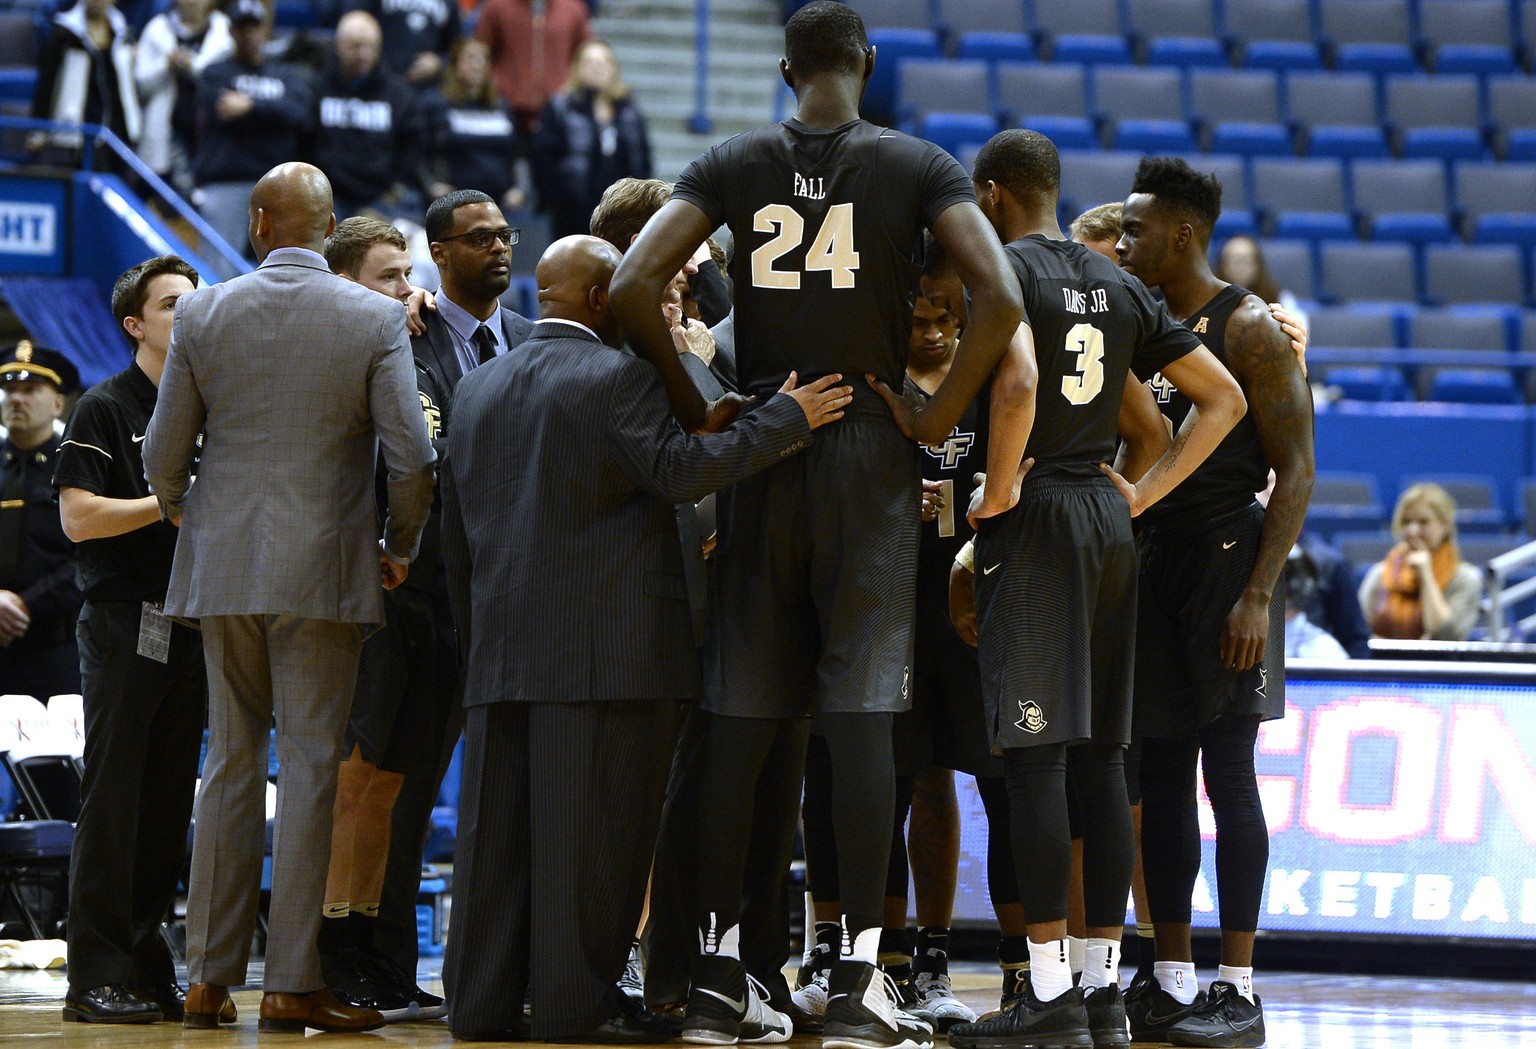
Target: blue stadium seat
1246 21
1353 327
1154 136
1176 32
1235 222
1219 96
1348 143
1511 103
1091 50
1293 265
1413 227
942 85
1090 178
1482 59
1354 272
960 18
954 131
1460 328
1282 184
1041 90
1444 143
895 14
1186 52
1422 100
996 47
1138 93
891 46
1486 273
1402 185
1252 140
1055 18
1475 386
1486 188
1282 56
1064 132
1518 228
1377 59
1315 226
1332 99
1521 145
1370 383
1368 35
1467 36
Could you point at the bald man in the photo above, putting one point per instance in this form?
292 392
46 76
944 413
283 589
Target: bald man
293 377
367 130
566 580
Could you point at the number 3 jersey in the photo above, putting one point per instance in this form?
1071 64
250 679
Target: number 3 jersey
827 227
1092 323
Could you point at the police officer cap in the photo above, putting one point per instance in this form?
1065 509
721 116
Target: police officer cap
25 362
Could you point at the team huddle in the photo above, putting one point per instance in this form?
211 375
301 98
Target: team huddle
981 502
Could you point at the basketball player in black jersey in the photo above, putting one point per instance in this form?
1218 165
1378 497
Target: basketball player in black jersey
1210 620
817 560
1054 576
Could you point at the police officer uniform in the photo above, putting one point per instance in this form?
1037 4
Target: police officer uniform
37 561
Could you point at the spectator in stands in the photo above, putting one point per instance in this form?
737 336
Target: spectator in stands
590 135
1422 590
1335 607
368 136
1242 262
177 45
1304 639
85 75
470 127
39 600
417 35
250 117
533 44
145 693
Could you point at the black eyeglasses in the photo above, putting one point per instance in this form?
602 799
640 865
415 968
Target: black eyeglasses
481 238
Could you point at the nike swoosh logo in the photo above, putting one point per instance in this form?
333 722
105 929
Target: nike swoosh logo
1163 1021
139 437
1245 1024
1229 544
994 568
738 1004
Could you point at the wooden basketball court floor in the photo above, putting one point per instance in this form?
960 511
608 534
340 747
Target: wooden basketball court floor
1301 1012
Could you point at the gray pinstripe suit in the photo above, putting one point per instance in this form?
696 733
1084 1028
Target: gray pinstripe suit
290 374
566 579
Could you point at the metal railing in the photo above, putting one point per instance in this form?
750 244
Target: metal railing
1502 594
94 136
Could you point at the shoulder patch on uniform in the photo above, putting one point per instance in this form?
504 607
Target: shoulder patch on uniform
1031 717
1202 326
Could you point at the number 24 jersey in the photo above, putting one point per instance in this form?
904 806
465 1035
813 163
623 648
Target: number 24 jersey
828 227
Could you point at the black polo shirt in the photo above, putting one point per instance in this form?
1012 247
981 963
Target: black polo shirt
103 453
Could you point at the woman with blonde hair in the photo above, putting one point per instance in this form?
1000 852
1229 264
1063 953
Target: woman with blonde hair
1422 590
590 135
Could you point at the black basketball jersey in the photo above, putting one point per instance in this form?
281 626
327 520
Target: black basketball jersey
827 226
958 459
1092 323
1237 468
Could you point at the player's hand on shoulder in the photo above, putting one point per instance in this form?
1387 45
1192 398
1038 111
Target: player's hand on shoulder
1295 329
822 401
416 308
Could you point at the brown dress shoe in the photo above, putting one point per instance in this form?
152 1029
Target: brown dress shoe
207 1006
319 1010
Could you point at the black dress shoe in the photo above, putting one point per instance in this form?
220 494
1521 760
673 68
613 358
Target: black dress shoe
518 1032
624 1028
109 1004
171 998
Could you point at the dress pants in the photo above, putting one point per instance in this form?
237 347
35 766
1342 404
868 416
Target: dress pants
557 823
302 672
143 731
671 935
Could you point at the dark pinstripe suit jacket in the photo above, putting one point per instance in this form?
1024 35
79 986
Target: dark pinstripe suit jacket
564 568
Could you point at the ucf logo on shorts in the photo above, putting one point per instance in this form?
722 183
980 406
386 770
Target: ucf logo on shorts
1031 717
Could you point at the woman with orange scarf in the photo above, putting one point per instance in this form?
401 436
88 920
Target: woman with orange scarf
1422 590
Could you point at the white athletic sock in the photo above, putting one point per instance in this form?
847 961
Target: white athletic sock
865 947
1178 979
714 942
1240 977
1050 972
810 926
1101 965
1076 948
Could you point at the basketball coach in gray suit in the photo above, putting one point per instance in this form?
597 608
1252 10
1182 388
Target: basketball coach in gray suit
566 580
294 377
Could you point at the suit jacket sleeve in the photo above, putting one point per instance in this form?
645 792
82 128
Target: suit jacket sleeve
681 467
409 460
171 440
455 556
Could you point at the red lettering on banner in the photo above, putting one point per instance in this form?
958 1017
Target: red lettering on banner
1482 747
1325 808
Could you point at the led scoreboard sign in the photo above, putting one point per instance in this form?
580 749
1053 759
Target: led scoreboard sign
1400 797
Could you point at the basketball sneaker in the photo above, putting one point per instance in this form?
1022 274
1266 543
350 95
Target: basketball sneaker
811 998
1152 1011
385 971
1106 1017
1225 1018
863 1012
1061 1023
632 983
726 1006
936 999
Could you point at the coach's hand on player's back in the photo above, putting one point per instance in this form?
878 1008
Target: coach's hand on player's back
904 406
822 401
